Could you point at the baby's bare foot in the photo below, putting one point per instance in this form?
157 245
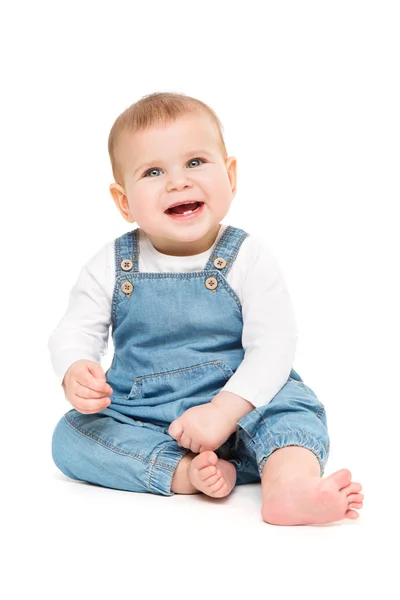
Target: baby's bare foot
309 500
212 475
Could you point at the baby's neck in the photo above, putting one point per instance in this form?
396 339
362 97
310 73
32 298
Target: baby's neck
173 248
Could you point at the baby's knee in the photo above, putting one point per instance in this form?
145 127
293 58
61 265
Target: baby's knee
62 448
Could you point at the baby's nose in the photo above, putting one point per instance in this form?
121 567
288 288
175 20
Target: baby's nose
178 183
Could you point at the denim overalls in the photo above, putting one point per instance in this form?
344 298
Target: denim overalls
177 341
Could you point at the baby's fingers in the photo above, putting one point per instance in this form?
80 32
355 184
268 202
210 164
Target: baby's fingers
87 406
86 379
84 392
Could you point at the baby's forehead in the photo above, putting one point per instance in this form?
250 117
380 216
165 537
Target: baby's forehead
183 124
183 131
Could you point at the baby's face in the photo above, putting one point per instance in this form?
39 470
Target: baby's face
174 163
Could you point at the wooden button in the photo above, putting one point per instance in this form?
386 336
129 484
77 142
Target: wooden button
127 288
219 262
126 265
211 283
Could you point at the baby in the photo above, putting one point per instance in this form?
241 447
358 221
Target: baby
201 394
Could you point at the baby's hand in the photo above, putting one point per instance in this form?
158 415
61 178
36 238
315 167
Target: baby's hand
85 387
202 428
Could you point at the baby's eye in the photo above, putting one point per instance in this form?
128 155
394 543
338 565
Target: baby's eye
195 160
149 172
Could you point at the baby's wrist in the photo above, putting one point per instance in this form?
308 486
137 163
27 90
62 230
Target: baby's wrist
234 406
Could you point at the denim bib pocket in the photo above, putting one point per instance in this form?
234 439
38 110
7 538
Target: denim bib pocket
198 382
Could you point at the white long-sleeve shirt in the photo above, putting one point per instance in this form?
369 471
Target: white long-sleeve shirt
269 333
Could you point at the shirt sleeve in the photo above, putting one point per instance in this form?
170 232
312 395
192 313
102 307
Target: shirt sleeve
83 331
269 333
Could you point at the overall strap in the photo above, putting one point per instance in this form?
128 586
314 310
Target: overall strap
226 250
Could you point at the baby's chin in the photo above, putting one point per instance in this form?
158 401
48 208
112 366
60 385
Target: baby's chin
183 241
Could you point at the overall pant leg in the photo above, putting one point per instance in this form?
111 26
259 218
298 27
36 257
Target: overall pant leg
294 417
116 452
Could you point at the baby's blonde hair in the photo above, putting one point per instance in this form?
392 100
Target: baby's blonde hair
160 107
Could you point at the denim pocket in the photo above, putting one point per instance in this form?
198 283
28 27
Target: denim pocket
198 383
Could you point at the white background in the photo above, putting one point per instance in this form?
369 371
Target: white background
308 94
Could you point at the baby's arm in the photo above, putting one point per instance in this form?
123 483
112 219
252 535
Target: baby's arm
82 333
233 406
269 335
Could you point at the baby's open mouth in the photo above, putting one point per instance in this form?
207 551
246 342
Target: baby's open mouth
184 209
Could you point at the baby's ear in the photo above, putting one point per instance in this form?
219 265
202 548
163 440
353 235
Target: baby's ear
121 201
231 168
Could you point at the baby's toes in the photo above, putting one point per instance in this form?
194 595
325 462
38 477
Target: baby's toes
211 481
351 514
353 488
341 478
355 501
207 472
205 460
216 487
355 498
